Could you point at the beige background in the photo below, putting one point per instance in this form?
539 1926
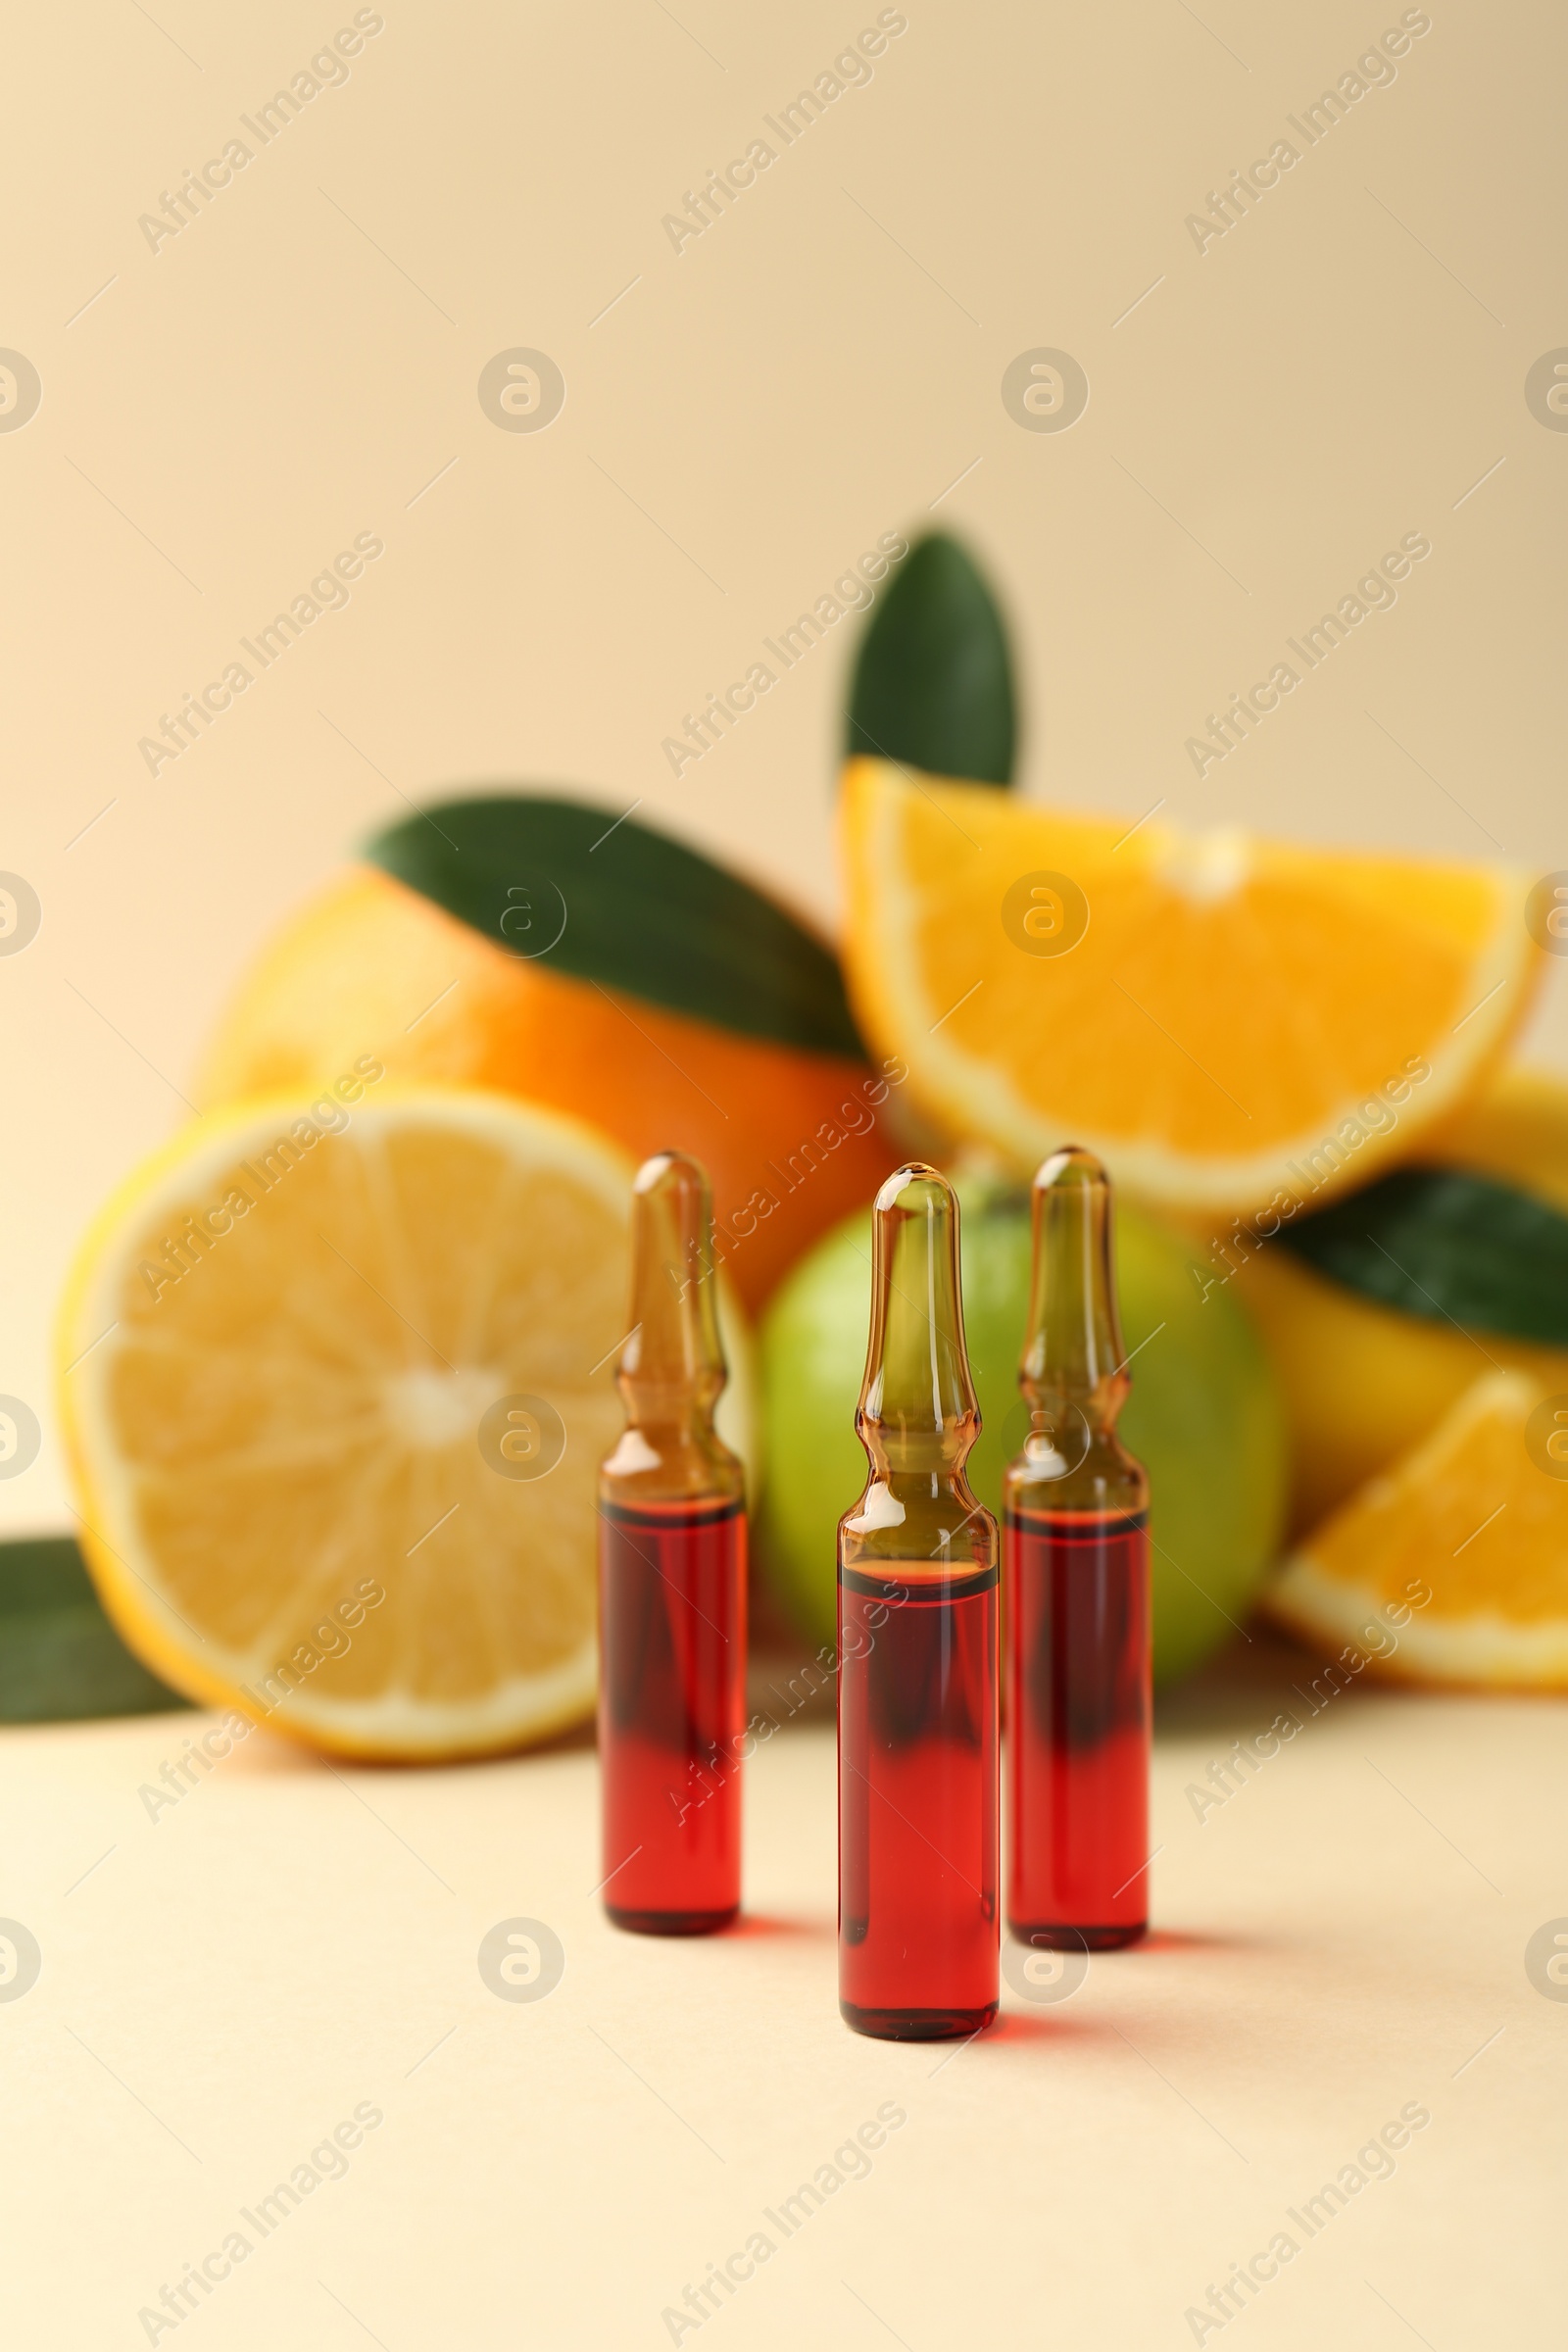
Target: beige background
299 366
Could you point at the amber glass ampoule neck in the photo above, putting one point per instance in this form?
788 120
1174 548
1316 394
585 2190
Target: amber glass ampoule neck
672 1371
917 1417
1073 1372
1072 1349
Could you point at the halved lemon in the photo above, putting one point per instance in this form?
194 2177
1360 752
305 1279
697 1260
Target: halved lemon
1218 1015
337 1376
1453 1566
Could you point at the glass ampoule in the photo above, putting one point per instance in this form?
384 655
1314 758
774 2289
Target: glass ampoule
918 1796
1075 1547
672 1585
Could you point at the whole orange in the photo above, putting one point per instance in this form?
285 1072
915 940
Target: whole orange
791 1140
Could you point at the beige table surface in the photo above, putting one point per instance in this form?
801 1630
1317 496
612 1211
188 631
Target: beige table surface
224 1984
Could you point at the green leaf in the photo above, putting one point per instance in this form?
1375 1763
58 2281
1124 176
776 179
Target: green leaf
1450 1247
933 679
628 908
60 1657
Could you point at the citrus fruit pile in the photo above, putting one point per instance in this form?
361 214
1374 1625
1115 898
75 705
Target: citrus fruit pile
338 1364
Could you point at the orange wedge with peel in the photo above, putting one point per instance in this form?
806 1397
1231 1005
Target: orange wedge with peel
337 1376
1451 1567
1220 1017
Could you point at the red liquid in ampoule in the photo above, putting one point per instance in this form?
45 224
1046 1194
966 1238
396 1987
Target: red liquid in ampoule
1078 1724
917 1798
671 1712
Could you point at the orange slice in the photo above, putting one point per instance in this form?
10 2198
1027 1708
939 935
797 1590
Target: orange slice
337 1376
1451 1567
1218 1015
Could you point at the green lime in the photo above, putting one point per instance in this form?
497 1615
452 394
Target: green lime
1204 1415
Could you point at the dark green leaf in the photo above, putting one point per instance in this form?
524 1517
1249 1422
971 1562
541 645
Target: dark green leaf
60 1657
933 680
628 908
1450 1247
